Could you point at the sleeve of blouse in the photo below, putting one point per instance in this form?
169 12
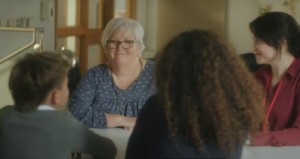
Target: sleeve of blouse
286 137
81 104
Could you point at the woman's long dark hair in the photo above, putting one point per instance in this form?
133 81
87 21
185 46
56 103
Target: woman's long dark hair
207 93
275 27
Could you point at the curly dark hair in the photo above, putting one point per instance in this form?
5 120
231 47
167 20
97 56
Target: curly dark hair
207 93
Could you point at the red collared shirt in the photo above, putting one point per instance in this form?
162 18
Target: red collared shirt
284 119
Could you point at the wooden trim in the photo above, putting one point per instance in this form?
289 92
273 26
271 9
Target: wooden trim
78 12
85 13
94 36
66 23
83 54
84 39
128 8
68 31
131 9
108 11
77 46
101 26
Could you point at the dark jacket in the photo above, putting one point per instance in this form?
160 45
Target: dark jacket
47 134
150 139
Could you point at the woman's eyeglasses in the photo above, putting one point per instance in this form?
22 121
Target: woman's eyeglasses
126 44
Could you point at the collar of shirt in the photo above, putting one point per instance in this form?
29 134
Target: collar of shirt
291 71
45 107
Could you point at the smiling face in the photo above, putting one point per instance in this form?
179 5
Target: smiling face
121 55
264 53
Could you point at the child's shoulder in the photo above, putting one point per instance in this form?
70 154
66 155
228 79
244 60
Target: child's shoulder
7 109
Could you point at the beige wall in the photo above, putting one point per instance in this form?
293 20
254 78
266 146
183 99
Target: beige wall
6 98
276 5
239 13
176 16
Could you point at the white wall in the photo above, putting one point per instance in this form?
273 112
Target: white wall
93 56
120 8
146 14
239 14
10 41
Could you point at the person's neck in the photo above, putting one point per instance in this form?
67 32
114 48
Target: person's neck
125 69
280 66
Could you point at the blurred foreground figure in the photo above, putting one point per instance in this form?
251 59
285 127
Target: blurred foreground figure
34 128
206 104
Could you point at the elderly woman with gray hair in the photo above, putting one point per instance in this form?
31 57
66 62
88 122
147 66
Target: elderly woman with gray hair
111 94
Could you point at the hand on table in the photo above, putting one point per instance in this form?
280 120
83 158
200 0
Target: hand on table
128 128
129 123
249 141
114 120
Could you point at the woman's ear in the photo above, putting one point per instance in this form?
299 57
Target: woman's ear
284 45
105 51
139 48
283 42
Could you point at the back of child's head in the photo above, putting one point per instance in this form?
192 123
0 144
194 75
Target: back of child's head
34 76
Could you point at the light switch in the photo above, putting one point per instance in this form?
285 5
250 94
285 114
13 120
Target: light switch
47 10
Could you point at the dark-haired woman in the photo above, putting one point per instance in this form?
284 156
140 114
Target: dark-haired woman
206 102
276 39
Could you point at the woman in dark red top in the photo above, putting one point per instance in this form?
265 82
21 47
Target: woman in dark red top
276 39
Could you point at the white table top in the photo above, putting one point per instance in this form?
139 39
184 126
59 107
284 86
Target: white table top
120 138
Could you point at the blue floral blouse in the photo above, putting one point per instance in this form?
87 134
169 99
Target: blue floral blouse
95 96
